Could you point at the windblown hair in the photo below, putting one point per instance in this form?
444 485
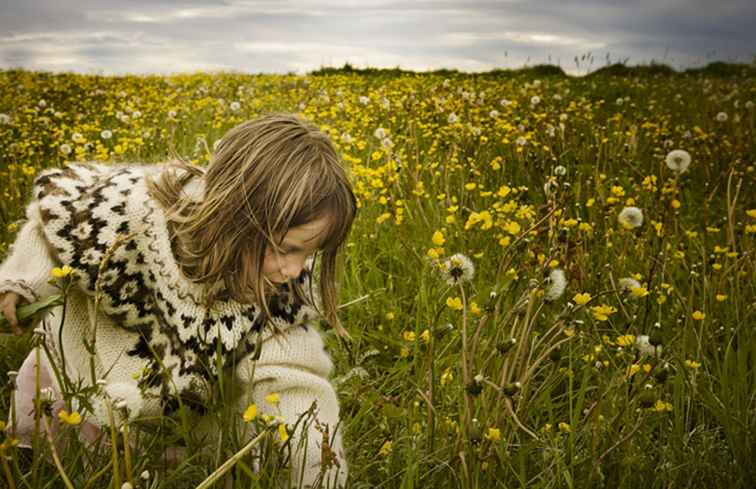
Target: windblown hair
266 176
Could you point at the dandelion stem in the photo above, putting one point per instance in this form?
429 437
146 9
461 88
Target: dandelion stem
231 462
55 457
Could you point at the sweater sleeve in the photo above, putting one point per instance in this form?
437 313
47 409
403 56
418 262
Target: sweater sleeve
26 270
295 366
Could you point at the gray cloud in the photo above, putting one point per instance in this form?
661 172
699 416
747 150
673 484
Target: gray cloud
280 36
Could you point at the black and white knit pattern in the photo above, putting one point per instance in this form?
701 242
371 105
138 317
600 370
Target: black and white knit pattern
85 209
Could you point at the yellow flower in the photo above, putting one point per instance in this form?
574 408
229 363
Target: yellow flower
474 309
590 202
63 272
582 298
409 336
698 315
639 292
386 448
73 418
454 303
425 336
470 186
504 191
692 364
625 340
661 406
675 204
447 376
721 297
283 434
2 426
273 398
250 413
493 434
512 227
632 370
751 213
602 312
553 263
438 238
565 427
390 316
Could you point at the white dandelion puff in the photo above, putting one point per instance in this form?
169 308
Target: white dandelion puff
505 102
678 160
627 284
749 105
722 117
380 133
457 269
493 114
560 171
106 134
42 104
364 100
453 118
346 138
235 106
521 141
387 143
4 119
557 283
645 347
630 217
77 137
136 114
172 114
65 149
535 100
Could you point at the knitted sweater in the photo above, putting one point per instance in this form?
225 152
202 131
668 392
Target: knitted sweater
152 329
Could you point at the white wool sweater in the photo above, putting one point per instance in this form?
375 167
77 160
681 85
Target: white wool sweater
153 331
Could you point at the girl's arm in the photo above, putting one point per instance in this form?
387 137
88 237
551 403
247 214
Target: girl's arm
294 367
26 270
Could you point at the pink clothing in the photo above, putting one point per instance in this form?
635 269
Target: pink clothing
25 401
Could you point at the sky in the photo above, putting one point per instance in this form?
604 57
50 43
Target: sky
283 36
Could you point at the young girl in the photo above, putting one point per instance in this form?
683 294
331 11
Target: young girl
201 273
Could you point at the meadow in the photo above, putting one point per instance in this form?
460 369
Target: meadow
549 282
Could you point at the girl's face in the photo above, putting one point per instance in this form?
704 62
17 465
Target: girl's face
300 243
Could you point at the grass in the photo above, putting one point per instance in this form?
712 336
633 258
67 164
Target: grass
484 383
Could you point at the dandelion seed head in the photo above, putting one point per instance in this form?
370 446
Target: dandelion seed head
65 149
4 119
380 133
722 117
106 134
453 118
627 284
557 283
234 106
458 269
678 160
631 217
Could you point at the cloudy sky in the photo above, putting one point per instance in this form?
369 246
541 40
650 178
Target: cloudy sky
279 36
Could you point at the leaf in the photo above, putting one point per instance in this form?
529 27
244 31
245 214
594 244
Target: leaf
28 311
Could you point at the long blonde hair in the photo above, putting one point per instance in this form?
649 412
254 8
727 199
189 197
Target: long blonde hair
266 176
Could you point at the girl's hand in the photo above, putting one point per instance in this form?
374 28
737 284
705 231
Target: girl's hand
8 303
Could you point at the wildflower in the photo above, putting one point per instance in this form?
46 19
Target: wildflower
127 485
722 117
521 141
632 370
475 309
447 376
425 336
283 433
379 133
493 114
512 227
4 119
565 427
145 475
721 297
273 398
77 137
692 364
457 269
387 143
698 315
453 118
582 298
493 434
631 217
644 346
364 100
250 413
72 418
346 138
454 303
661 406
234 106
106 134
751 213
557 284
65 149
386 448
409 336
560 171
63 272
535 100
602 312
390 316
438 238
172 114
625 340
678 160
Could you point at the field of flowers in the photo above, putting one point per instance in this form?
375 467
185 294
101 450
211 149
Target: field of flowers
549 284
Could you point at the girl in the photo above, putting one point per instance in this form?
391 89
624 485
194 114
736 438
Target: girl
198 273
